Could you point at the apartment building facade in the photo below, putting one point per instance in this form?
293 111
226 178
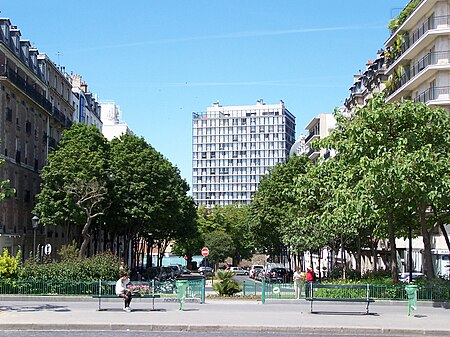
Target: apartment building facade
367 83
418 56
35 107
233 147
111 117
87 108
318 128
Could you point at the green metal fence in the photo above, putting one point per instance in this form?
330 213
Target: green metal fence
194 289
271 290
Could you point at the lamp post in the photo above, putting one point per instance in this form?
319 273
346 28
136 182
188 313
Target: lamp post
34 222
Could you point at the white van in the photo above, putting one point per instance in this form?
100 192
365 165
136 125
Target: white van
255 268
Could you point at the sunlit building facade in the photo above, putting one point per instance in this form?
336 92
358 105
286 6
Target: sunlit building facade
234 146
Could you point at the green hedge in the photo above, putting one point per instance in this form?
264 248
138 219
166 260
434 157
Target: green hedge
103 266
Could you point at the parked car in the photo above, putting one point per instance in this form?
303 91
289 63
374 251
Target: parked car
184 270
175 270
158 273
404 277
254 270
277 274
238 271
205 270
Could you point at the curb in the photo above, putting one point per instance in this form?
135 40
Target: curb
219 328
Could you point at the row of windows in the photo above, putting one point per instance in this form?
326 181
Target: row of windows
223 195
240 130
227 147
212 122
239 138
229 170
251 186
229 163
243 153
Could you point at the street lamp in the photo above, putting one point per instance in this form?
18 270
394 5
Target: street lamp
34 222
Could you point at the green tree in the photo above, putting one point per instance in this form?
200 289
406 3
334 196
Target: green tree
75 181
400 153
150 197
271 208
220 246
230 219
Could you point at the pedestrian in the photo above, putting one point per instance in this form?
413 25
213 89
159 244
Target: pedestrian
309 280
122 291
298 282
122 267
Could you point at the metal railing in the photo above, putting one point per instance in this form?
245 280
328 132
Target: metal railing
269 290
432 58
195 288
432 94
433 22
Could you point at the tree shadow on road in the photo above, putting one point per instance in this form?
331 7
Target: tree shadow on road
34 308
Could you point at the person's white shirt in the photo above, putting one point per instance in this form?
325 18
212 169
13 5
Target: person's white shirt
121 285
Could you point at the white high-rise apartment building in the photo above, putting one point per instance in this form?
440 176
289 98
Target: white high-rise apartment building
234 146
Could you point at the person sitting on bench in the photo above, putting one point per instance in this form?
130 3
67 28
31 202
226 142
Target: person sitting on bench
122 291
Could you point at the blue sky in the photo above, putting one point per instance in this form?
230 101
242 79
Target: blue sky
162 60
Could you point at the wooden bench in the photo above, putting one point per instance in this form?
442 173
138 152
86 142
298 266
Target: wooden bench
353 293
106 289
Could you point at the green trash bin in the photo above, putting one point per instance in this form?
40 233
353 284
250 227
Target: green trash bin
181 291
411 292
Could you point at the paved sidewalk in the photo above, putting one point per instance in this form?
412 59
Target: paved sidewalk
64 313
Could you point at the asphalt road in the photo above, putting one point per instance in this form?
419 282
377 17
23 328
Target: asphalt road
162 334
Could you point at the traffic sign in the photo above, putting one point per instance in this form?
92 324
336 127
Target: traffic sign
47 249
205 251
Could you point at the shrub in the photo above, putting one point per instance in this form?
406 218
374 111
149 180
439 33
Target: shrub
69 252
9 265
103 266
226 286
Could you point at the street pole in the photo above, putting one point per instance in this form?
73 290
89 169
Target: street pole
34 244
410 254
34 223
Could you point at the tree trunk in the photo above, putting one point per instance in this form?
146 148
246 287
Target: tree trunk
394 269
86 237
429 270
358 254
444 232
373 245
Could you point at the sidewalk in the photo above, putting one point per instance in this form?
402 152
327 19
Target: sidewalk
68 313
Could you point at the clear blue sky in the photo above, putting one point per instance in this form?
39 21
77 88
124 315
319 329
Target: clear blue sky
162 60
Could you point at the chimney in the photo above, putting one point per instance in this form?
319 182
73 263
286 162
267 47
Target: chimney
84 87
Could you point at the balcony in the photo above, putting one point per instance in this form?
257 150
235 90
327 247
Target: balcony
27 88
423 69
432 94
313 154
421 36
310 137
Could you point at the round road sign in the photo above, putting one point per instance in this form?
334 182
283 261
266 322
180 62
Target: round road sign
205 251
47 249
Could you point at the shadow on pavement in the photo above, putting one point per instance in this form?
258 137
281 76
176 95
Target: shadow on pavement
344 313
132 310
34 308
